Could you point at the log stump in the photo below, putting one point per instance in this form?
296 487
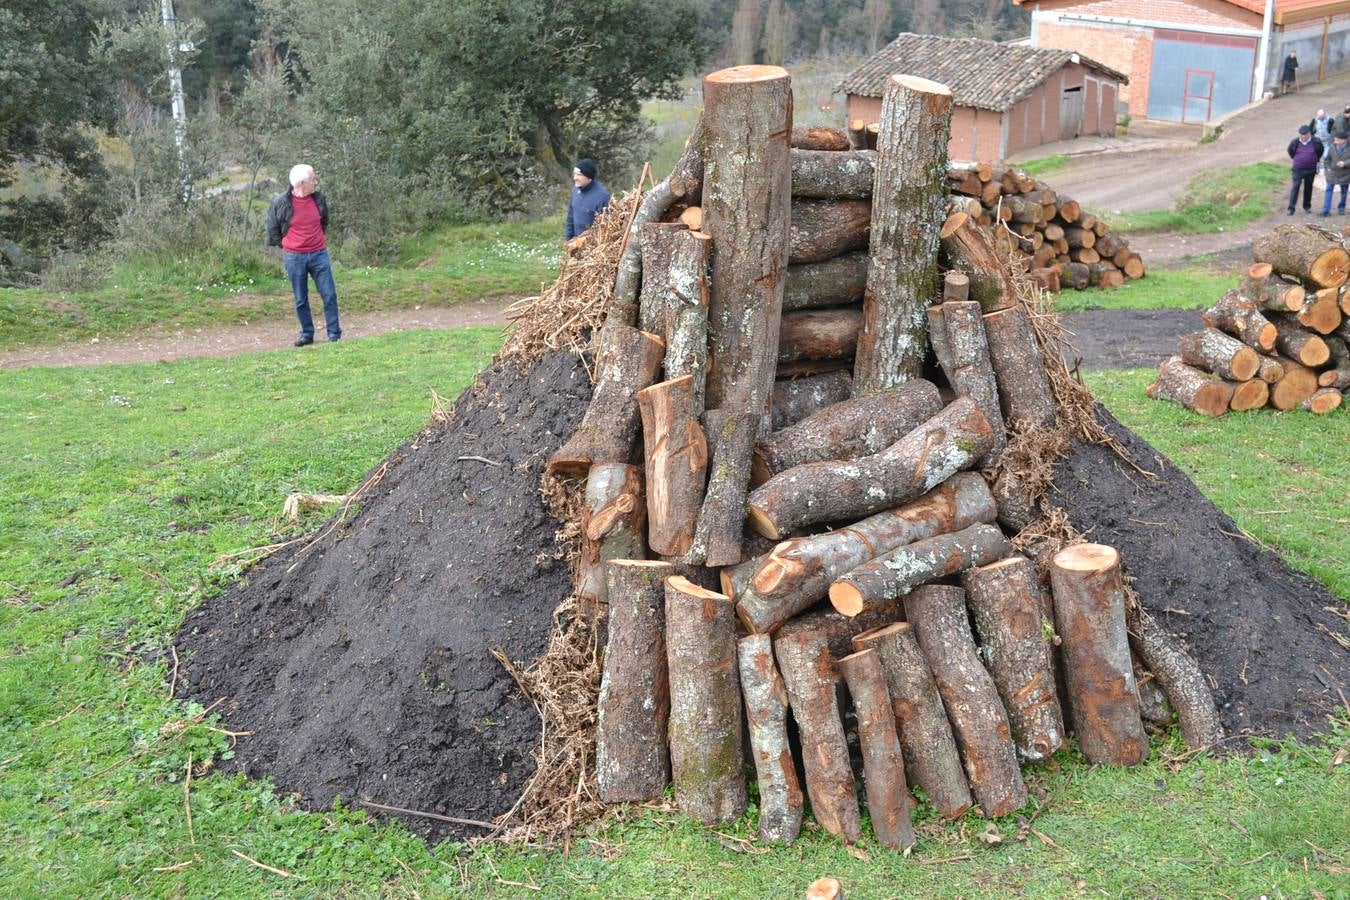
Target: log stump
676 453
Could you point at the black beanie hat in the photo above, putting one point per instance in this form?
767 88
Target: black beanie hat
586 167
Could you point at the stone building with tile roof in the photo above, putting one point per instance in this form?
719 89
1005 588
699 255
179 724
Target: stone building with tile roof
1006 97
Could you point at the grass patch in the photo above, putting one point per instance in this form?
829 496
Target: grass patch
444 267
1045 165
1213 202
124 483
1194 287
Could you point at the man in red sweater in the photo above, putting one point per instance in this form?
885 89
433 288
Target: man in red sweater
296 222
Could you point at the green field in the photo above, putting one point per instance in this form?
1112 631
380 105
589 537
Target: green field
125 485
1213 202
1189 287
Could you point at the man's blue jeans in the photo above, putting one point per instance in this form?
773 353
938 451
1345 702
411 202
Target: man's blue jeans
300 267
1331 189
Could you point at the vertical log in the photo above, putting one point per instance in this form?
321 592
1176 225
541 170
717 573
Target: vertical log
631 761
972 373
685 324
656 240
1181 680
612 521
1090 620
1023 387
780 794
908 207
883 762
717 541
676 459
706 759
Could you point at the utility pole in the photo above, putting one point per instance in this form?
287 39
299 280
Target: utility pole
173 47
1263 53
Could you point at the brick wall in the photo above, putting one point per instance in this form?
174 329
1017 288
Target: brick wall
1128 50
1215 13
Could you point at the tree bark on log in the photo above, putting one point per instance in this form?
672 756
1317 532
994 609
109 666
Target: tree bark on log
1298 384
1214 351
1005 605
1198 391
685 308
1023 387
1090 622
706 758
908 208
972 373
809 138
1242 318
656 241
831 175
899 571
1322 401
823 229
979 721
887 793
1270 371
816 335
795 399
1299 344
808 674
931 758
847 430
1075 275
717 541
612 524
937 339
834 282
1303 252
950 441
857 134
629 360
1180 677
1321 311
631 760
676 462
798 573
747 116
766 705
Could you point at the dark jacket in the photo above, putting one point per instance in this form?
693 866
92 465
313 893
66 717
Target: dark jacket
585 205
279 216
1290 64
1305 156
1333 156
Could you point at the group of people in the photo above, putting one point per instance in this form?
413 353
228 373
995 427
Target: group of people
1321 145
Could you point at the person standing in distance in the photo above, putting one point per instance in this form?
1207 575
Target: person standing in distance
1289 76
589 199
1305 151
297 222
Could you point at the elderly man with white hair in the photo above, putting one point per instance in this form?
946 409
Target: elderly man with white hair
296 222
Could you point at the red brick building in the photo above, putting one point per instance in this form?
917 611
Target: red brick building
1194 60
1006 97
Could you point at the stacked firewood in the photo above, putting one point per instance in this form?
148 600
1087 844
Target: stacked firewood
1066 245
700 375
1281 338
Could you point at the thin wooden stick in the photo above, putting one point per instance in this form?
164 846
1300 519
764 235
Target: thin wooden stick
275 871
173 681
428 815
187 801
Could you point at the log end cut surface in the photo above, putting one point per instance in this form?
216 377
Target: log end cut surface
746 74
1087 558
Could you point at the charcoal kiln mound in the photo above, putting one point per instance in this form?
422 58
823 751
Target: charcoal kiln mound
361 664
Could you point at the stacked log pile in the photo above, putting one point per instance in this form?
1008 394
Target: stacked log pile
1066 246
746 457
1279 339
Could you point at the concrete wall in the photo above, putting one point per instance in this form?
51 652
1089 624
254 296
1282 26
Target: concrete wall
1307 39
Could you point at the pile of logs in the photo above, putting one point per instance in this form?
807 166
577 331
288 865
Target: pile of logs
1281 338
756 537
1066 245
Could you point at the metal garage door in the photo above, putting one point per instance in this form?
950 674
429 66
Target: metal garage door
1196 82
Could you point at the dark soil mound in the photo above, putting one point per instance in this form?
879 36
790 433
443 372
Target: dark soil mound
1251 623
362 664
1126 338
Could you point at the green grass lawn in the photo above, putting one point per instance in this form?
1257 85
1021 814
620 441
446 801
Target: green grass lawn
1214 201
1191 287
1045 165
123 485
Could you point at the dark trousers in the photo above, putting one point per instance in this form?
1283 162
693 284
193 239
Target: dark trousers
1303 178
300 267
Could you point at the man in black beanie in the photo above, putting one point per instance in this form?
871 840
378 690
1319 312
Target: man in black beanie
589 198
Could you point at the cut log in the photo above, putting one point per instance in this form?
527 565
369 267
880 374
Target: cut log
978 719
656 240
1338 378
629 361
1076 275
969 248
717 541
1198 391
937 336
631 761
1214 351
971 373
747 113
1079 238
1271 371
1271 293
899 571
1023 387
706 760
691 217
1299 344
797 573
955 287
685 311
811 335
857 134
1321 311
831 175
1296 385
991 193
795 399
888 801
1181 679
907 211
931 758
952 440
1249 395
857 427
822 229
766 705
735 580
1345 302
1005 605
816 138
1322 401
838 630
1090 622
826 888
804 659
1305 253
873 135
1108 246
1152 701
965 181
612 522
1087 256
834 282
676 453
1241 317
1069 211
